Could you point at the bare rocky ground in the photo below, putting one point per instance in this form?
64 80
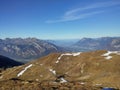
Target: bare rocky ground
45 85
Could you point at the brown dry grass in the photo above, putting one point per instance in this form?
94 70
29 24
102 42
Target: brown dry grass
87 67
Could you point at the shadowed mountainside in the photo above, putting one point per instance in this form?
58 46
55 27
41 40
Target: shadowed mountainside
7 62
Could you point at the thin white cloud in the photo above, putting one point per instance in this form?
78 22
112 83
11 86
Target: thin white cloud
84 12
93 6
76 17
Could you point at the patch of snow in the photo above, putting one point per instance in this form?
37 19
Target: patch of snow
76 54
98 84
107 55
57 61
67 54
53 71
111 52
20 73
82 83
62 80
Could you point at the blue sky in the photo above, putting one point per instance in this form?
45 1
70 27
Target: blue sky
59 19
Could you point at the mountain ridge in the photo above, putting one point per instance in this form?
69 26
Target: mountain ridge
103 43
96 68
26 49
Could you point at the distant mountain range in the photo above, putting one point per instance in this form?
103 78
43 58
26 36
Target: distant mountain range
31 48
104 43
26 49
66 71
89 44
7 62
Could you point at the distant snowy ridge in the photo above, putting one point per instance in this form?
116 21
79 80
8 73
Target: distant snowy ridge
21 73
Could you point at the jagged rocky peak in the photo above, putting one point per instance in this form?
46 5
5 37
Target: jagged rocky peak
26 49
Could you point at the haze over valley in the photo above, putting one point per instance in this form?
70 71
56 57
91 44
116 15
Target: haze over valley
28 49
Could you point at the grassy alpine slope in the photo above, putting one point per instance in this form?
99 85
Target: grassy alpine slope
88 70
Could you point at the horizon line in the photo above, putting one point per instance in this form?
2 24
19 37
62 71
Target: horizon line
55 39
